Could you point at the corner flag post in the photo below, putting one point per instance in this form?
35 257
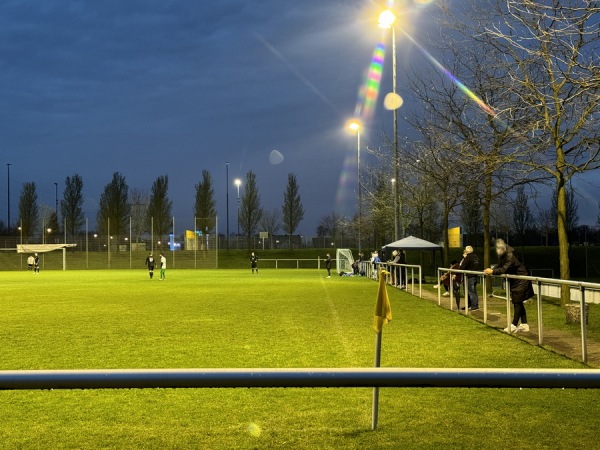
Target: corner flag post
383 314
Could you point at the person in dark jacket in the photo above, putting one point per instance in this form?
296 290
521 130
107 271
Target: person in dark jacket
520 290
471 262
402 270
254 262
328 265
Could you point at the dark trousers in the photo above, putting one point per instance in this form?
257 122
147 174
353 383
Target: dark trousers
520 313
472 292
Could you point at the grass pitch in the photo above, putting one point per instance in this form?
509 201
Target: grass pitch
288 318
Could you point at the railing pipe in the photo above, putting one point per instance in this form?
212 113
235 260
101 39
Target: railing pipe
300 378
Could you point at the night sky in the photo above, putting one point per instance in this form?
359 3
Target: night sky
149 87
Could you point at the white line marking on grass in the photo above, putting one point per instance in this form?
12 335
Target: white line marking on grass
337 326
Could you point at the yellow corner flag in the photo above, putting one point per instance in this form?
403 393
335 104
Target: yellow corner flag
383 310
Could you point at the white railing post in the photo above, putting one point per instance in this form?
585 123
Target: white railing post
439 285
583 317
540 314
485 296
508 321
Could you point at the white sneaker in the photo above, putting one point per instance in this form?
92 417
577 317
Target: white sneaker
328 277
523 327
512 329
446 294
437 286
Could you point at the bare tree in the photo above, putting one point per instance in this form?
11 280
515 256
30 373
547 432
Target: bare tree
522 216
571 216
28 210
270 222
470 214
160 207
546 222
378 206
71 205
139 199
114 208
331 225
551 50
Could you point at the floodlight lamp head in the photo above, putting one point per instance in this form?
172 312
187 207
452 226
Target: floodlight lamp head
354 125
386 19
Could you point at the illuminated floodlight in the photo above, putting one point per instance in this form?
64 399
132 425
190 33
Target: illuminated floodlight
386 19
354 125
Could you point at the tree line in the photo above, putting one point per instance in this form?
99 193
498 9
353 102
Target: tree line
120 208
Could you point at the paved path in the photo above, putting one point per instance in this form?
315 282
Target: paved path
557 341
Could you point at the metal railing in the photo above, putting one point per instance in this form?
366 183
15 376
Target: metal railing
286 262
299 378
372 271
538 284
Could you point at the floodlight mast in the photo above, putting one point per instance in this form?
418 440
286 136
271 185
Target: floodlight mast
355 125
386 20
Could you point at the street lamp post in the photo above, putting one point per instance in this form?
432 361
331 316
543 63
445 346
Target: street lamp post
238 183
8 194
386 20
355 126
395 209
227 199
56 199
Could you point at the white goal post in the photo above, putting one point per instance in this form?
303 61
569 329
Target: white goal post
344 260
45 248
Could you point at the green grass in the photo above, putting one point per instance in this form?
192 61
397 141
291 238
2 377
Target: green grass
229 318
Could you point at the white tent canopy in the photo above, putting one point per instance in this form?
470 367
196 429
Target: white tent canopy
413 243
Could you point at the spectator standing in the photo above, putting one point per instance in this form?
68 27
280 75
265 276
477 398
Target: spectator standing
520 290
402 270
471 262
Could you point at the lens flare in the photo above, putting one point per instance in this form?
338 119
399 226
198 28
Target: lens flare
369 91
483 105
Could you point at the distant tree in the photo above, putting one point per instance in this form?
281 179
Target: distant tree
114 209
293 211
522 216
470 214
138 200
269 222
205 206
331 225
51 223
250 209
71 205
160 207
546 222
571 215
28 210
